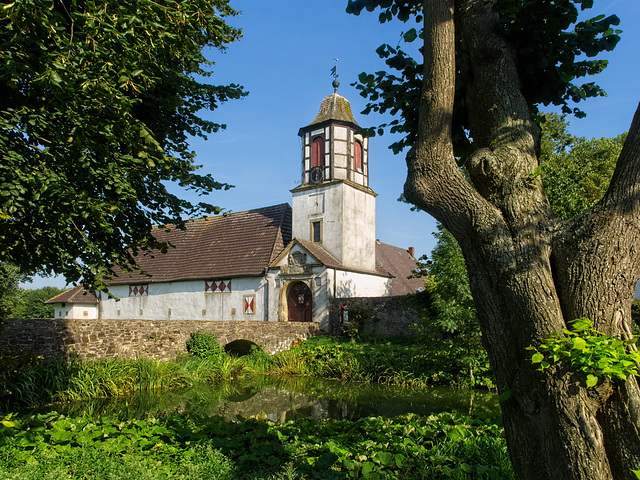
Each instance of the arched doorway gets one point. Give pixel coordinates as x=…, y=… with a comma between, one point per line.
x=299, y=302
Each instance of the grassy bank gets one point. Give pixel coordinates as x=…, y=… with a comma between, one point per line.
x=409, y=447
x=192, y=446
x=34, y=383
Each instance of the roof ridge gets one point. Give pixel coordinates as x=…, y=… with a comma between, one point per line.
x=60, y=294
x=226, y=214
x=314, y=245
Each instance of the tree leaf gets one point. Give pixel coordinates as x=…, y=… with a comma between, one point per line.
x=537, y=357
x=579, y=343
x=592, y=381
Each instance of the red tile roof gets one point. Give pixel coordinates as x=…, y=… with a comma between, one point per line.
x=75, y=295
x=399, y=263
x=236, y=245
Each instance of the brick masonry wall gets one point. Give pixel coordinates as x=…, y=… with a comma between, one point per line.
x=387, y=316
x=161, y=339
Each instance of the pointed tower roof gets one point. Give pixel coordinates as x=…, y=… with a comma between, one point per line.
x=334, y=107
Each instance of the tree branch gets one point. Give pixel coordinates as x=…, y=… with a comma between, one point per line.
x=623, y=194
x=434, y=181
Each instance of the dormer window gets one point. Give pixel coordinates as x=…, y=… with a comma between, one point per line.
x=317, y=152
x=357, y=156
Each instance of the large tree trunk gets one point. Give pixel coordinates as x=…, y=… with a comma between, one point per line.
x=530, y=274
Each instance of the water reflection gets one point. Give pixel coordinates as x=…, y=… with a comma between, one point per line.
x=286, y=398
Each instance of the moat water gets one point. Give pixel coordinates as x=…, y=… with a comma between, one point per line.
x=286, y=398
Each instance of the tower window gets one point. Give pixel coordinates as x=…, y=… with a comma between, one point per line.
x=317, y=152
x=357, y=156
x=316, y=231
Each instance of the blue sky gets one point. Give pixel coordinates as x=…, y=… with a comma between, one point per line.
x=284, y=61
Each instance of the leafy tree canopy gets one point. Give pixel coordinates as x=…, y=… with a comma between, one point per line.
x=33, y=305
x=450, y=328
x=10, y=292
x=97, y=102
x=549, y=44
x=575, y=171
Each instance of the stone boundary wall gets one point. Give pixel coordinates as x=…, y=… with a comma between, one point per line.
x=161, y=339
x=387, y=316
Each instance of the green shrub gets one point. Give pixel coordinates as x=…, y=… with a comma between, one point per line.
x=635, y=316
x=588, y=351
x=204, y=345
x=355, y=315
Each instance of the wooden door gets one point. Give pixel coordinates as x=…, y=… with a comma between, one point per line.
x=299, y=303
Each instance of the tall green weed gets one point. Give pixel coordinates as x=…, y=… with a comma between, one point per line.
x=390, y=363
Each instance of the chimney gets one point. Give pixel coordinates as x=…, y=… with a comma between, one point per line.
x=411, y=251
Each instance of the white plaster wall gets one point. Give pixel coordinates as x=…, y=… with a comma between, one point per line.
x=352, y=284
x=272, y=296
x=340, y=173
x=76, y=310
x=319, y=288
x=187, y=301
x=348, y=223
x=359, y=229
x=303, y=214
x=340, y=133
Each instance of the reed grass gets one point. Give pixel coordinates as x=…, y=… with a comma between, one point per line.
x=324, y=357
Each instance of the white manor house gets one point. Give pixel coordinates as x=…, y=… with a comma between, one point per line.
x=277, y=263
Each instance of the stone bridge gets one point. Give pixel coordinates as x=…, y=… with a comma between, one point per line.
x=161, y=339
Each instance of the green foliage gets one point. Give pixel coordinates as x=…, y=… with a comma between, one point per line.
x=204, y=344
x=409, y=447
x=80, y=448
x=449, y=327
x=576, y=171
x=33, y=305
x=39, y=382
x=16, y=302
x=356, y=314
x=635, y=317
x=97, y=102
x=26, y=380
x=547, y=38
x=590, y=352
x=11, y=300
x=379, y=362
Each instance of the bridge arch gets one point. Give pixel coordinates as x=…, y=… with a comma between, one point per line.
x=240, y=347
x=273, y=337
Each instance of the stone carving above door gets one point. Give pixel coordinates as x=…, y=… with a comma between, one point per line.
x=296, y=263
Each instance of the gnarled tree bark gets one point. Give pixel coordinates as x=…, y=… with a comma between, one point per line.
x=530, y=273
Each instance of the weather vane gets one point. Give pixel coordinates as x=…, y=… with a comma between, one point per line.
x=334, y=72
